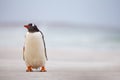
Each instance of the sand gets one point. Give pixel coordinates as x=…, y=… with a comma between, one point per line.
x=62, y=67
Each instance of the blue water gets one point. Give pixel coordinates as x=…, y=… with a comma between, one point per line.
x=64, y=37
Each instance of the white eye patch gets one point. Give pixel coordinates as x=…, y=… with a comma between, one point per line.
x=33, y=24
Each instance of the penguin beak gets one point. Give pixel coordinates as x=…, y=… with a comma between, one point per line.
x=26, y=26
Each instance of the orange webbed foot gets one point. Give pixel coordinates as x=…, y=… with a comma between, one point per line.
x=43, y=69
x=29, y=69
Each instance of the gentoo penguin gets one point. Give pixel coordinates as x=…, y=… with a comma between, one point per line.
x=34, y=50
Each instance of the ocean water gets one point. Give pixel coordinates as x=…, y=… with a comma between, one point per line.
x=65, y=37
x=83, y=38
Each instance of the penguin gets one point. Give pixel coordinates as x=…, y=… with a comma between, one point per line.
x=34, y=49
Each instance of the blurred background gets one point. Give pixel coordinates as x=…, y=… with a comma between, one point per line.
x=75, y=30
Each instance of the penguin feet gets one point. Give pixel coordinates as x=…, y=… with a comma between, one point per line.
x=43, y=69
x=29, y=69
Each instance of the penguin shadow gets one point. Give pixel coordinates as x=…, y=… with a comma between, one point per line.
x=36, y=70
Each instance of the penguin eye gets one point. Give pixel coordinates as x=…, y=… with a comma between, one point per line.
x=30, y=24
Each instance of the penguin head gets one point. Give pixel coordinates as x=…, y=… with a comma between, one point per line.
x=31, y=28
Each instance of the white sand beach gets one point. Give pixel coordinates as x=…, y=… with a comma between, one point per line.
x=13, y=68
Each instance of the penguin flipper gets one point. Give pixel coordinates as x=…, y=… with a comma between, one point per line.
x=44, y=45
x=23, y=53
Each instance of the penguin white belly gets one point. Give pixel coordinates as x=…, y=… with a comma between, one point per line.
x=34, y=50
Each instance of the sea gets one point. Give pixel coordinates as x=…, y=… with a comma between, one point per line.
x=65, y=37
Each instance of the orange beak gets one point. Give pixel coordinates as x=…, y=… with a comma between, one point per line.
x=26, y=26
